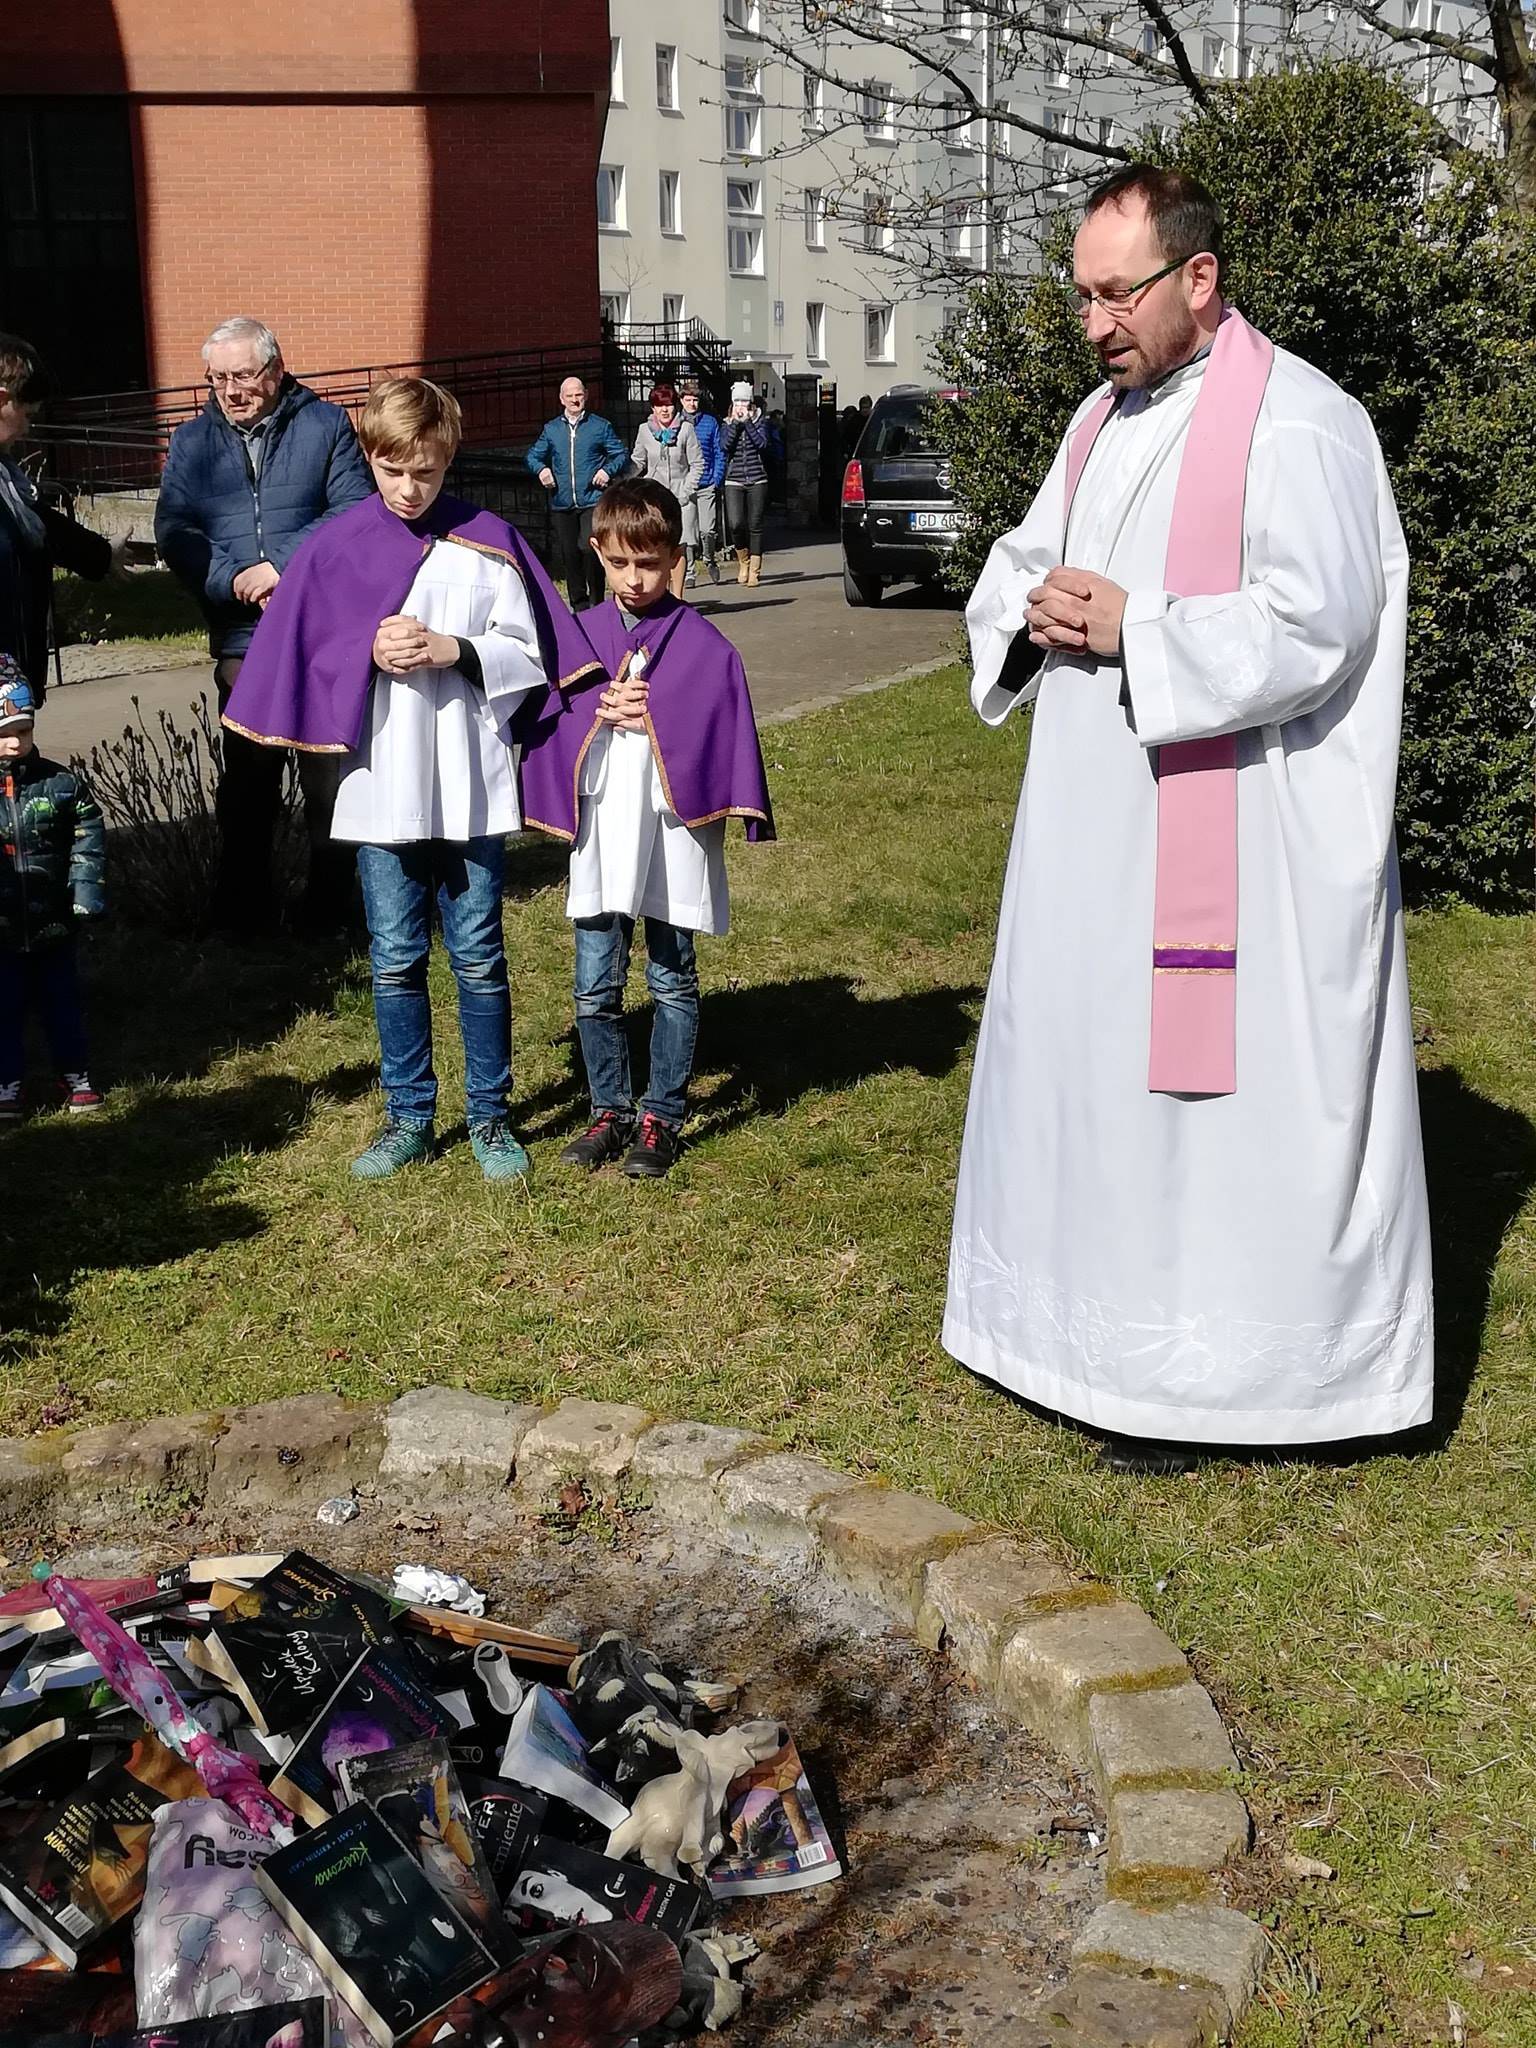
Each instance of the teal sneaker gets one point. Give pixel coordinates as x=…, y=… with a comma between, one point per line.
x=500, y=1155
x=396, y=1145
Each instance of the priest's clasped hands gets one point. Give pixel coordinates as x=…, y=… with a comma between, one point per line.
x=1075, y=612
x=403, y=644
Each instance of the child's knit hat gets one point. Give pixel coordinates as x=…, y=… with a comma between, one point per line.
x=740, y=393
x=18, y=706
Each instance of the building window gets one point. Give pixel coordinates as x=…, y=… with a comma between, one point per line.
x=1055, y=57
x=1151, y=43
x=1213, y=57
x=876, y=112
x=879, y=334
x=616, y=70
x=815, y=116
x=1002, y=129
x=1054, y=154
x=610, y=197
x=673, y=317
x=815, y=331
x=879, y=235
x=743, y=107
x=614, y=309
x=959, y=126
x=666, y=78
x=962, y=228
x=815, y=217
x=1107, y=130
x=743, y=16
x=959, y=21
x=744, y=226
x=671, y=202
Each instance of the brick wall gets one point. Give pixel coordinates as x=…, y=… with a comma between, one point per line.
x=366, y=233
x=432, y=192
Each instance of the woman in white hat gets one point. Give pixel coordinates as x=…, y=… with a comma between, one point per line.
x=744, y=442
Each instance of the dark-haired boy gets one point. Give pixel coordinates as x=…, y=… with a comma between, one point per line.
x=639, y=771
x=52, y=872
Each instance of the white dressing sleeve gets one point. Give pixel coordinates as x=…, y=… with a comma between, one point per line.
x=996, y=612
x=510, y=662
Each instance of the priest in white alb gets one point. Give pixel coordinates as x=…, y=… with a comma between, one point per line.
x=1191, y=1206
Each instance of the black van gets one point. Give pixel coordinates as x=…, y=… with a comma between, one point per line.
x=898, y=512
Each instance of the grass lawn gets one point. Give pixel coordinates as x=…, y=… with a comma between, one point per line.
x=1367, y=1628
x=145, y=606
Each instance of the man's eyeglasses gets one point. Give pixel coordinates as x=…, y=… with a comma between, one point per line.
x=1116, y=303
x=238, y=380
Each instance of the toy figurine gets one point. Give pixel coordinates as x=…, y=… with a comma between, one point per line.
x=676, y=1819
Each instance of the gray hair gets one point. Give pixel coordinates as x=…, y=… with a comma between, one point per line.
x=243, y=328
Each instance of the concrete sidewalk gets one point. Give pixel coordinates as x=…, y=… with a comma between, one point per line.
x=802, y=644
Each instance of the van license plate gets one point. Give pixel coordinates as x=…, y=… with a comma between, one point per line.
x=932, y=522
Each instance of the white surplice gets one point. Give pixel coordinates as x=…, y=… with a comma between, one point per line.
x=435, y=761
x=633, y=854
x=1252, y=1268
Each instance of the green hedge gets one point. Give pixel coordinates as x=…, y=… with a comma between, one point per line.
x=1426, y=312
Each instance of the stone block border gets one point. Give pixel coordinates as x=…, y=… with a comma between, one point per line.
x=1164, y=1960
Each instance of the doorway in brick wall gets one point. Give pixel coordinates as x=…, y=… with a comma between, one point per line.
x=69, y=243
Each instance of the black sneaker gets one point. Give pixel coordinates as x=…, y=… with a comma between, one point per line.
x=1146, y=1457
x=655, y=1149
x=605, y=1138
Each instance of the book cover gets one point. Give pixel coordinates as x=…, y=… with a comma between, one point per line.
x=416, y=1792
x=560, y=1883
x=547, y=1750
x=31, y=1607
x=776, y=1840
x=281, y=1666
x=78, y=1867
x=366, y=1911
x=505, y=1819
x=378, y=1705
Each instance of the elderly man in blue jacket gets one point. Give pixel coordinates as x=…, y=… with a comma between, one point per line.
x=575, y=458
x=245, y=485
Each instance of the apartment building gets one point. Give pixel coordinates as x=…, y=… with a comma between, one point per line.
x=739, y=189
x=715, y=202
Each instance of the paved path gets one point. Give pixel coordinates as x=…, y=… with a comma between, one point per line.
x=802, y=644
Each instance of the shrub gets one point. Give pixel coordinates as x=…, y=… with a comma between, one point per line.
x=156, y=791
x=1423, y=310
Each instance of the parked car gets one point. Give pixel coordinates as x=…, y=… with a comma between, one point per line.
x=898, y=510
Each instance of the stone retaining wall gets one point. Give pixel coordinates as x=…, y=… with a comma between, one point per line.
x=1165, y=1963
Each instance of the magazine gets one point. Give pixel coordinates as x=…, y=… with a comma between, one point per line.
x=776, y=1840
x=547, y=1750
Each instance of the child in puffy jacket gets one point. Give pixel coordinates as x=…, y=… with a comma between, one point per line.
x=52, y=871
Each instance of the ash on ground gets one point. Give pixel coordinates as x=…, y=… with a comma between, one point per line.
x=971, y=1855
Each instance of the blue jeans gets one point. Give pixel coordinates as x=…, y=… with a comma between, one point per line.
x=48, y=980
x=602, y=967
x=399, y=884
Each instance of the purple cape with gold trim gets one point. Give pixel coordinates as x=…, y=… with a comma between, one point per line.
x=699, y=717
x=305, y=681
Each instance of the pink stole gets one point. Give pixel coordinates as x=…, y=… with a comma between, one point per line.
x=1194, y=927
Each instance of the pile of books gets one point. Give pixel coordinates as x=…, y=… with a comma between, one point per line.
x=453, y=1787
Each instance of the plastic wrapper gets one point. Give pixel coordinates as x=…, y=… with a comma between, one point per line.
x=206, y=1941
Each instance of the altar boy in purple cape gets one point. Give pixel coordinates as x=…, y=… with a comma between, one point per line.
x=639, y=771
x=403, y=636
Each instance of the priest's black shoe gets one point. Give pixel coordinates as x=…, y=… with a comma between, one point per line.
x=605, y=1138
x=1145, y=1457
x=654, y=1151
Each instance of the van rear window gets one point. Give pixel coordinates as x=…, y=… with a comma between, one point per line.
x=899, y=426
